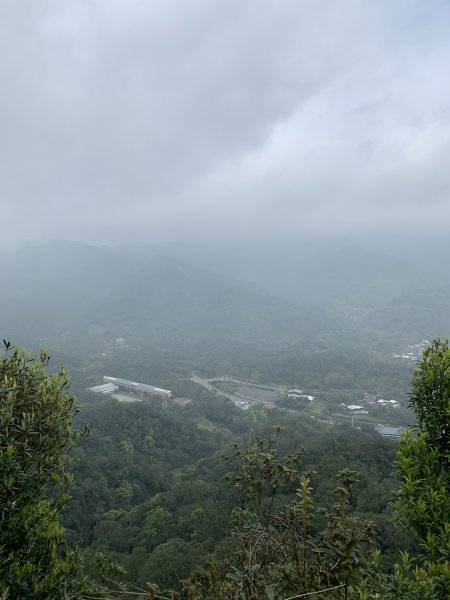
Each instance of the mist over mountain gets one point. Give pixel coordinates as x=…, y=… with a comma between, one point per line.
x=74, y=288
x=239, y=292
x=316, y=267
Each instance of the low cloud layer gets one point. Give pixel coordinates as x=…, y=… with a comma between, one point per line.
x=173, y=120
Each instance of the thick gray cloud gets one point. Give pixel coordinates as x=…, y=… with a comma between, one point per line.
x=165, y=119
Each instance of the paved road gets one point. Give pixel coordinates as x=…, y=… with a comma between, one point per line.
x=205, y=383
x=234, y=398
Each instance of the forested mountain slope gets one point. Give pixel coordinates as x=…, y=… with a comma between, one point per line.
x=150, y=489
x=150, y=291
x=81, y=290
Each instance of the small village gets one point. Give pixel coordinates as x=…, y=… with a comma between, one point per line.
x=369, y=400
x=245, y=394
x=414, y=352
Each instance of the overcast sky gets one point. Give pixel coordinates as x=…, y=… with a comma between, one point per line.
x=158, y=120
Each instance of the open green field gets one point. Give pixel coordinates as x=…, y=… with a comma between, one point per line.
x=123, y=398
x=358, y=418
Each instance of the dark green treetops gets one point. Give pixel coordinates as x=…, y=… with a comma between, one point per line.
x=423, y=463
x=422, y=501
x=35, y=433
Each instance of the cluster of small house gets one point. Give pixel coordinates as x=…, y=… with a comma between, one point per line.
x=413, y=352
x=372, y=400
x=369, y=400
x=298, y=394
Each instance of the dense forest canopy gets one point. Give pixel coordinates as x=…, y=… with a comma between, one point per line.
x=155, y=494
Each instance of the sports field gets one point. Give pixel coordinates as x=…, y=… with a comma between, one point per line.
x=123, y=398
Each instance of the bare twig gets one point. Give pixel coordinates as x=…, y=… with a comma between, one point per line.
x=315, y=593
x=120, y=592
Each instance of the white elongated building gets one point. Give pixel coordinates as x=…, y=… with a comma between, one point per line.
x=142, y=389
x=106, y=389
